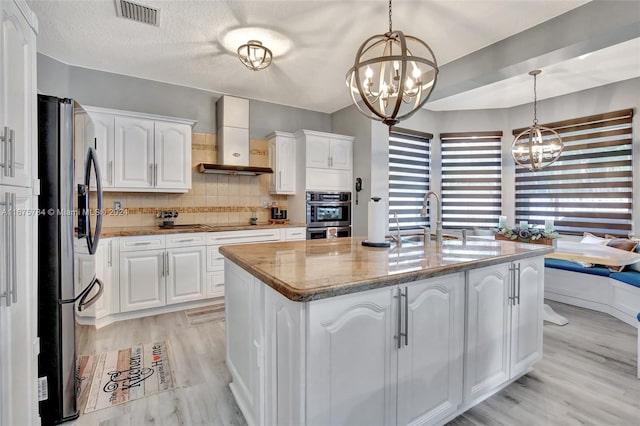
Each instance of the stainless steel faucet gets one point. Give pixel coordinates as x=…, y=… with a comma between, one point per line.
x=423, y=213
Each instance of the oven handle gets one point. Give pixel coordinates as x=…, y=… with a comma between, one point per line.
x=329, y=203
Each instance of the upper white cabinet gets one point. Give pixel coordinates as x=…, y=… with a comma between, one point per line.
x=282, y=159
x=136, y=152
x=17, y=95
x=173, y=155
x=328, y=160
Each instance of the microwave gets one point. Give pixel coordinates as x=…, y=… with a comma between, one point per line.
x=328, y=209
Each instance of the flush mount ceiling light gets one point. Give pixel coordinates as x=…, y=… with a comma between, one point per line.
x=536, y=147
x=393, y=76
x=254, y=55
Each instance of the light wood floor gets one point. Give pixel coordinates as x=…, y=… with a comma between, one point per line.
x=587, y=376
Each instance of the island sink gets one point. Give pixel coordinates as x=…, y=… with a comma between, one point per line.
x=330, y=332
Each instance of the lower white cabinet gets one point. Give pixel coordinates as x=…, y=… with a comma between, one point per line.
x=185, y=276
x=402, y=347
x=142, y=280
x=159, y=277
x=504, y=324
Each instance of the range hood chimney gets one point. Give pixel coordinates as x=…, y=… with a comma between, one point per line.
x=232, y=121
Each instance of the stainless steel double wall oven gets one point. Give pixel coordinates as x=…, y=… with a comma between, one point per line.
x=328, y=215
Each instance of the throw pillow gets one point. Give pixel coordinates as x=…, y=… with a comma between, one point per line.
x=589, y=238
x=621, y=244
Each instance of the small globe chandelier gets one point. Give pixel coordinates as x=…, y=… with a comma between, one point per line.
x=393, y=75
x=254, y=55
x=536, y=147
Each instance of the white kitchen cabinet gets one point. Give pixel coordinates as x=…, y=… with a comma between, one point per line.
x=97, y=130
x=294, y=234
x=173, y=155
x=504, y=324
x=282, y=159
x=328, y=161
x=142, y=279
x=430, y=386
x=328, y=151
x=135, y=165
x=18, y=300
x=186, y=274
x=351, y=353
x=136, y=152
x=526, y=315
x=17, y=95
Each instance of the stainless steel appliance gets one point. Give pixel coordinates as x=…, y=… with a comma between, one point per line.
x=328, y=210
x=328, y=232
x=56, y=294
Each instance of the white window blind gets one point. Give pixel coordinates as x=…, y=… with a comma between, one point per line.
x=408, y=177
x=471, y=179
x=590, y=187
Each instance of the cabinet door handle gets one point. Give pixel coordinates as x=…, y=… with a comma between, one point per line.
x=14, y=242
x=7, y=230
x=155, y=174
x=151, y=174
x=518, y=276
x=12, y=142
x=512, y=291
x=406, y=316
x=279, y=179
x=110, y=172
x=5, y=162
x=185, y=240
x=399, y=320
x=164, y=266
x=167, y=254
x=140, y=243
x=110, y=257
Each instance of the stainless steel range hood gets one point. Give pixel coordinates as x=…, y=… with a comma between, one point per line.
x=233, y=170
x=232, y=121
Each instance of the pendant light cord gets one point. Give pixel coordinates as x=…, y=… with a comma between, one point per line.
x=390, y=30
x=535, y=102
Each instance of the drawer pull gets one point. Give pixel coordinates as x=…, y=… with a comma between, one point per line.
x=141, y=243
x=237, y=237
x=186, y=240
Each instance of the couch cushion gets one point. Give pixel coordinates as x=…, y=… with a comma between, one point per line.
x=568, y=265
x=629, y=277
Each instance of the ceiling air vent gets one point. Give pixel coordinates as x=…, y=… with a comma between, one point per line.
x=138, y=12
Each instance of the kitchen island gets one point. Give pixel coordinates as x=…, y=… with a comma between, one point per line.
x=329, y=332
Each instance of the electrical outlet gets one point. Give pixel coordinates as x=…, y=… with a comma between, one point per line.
x=266, y=204
x=117, y=206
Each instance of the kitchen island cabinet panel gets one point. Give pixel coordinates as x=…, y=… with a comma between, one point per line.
x=352, y=357
x=430, y=366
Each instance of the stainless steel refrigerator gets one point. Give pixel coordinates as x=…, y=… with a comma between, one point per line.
x=57, y=299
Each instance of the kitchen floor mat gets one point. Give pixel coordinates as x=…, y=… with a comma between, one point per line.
x=124, y=375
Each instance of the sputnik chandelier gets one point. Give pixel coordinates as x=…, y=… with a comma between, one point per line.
x=393, y=76
x=536, y=147
x=254, y=55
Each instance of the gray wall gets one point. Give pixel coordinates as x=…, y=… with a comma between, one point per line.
x=108, y=90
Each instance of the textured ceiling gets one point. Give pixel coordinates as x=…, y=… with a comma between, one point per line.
x=320, y=39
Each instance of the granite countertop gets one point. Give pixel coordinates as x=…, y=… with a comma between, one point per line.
x=129, y=231
x=316, y=269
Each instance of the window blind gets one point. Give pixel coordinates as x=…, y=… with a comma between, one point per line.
x=471, y=179
x=589, y=189
x=409, y=174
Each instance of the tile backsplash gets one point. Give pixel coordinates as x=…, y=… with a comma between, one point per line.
x=213, y=199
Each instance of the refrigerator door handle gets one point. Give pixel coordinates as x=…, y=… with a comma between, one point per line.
x=83, y=302
x=14, y=250
x=7, y=230
x=84, y=216
x=5, y=161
